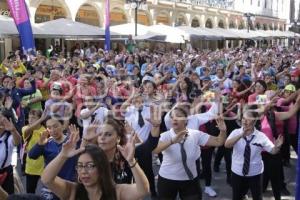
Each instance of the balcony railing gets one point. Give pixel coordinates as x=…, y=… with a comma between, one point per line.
x=225, y=4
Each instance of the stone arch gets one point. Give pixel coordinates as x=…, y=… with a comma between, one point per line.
x=46, y=12
x=258, y=26
x=265, y=27
x=271, y=27
x=232, y=24
x=180, y=20
x=144, y=17
x=241, y=25
x=281, y=28
x=118, y=16
x=195, y=21
x=89, y=14
x=163, y=17
x=209, y=23
x=221, y=24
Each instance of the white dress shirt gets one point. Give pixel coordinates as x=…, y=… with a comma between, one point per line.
x=172, y=167
x=101, y=114
x=10, y=147
x=132, y=118
x=259, y=143
x=195, y=121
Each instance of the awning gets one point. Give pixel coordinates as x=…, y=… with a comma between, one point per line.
x=7, y=27
x=200, y=33
x=129, y=29
x=66, y=28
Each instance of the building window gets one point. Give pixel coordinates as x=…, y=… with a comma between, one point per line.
x=258, y=3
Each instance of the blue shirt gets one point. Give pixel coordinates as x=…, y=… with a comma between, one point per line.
x=49, y=151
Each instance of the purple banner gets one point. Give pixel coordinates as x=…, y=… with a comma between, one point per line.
x=20, y=15
x=107, y=25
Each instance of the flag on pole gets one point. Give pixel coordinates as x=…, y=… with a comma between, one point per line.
x=20, y=15
x=107, y=25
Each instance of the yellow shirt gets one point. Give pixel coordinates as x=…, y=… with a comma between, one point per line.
x=21, y=69
x=34, y=167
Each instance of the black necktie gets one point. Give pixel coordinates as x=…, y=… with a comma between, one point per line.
x=247, y=156
x=93, y=117
x=141, y=120
x=183, y=157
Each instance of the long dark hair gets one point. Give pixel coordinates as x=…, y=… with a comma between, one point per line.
x=105, y=177
x=188, y=90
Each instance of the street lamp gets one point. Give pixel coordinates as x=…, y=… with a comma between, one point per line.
x=296, y=23
x=249, y=17
x=136, y=4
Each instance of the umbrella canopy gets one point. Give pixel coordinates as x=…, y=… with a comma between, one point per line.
x=7, y=27
x=172, y=34
x=200, y=33
x=66, y=28
x=129, y=29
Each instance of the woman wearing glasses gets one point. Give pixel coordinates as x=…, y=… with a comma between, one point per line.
x=94, y=174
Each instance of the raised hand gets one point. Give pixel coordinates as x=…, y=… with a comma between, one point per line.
x=279, y=141
x=179, y=136
x=69, y=148
x=128, y=149
x=44, y=138
x=155, y=118
x=8, y=102
x=91, y=131
x=9, y=125
x=221, y=124
x=73, y=129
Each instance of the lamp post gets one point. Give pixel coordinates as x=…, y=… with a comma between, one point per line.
x=296, y=23
x=136, y=4
x=249, y=17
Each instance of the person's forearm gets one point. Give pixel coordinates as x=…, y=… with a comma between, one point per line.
x=16, y=137
x=286, y=115
x=229, y=143
x=162, y=146
x=275, y=150
x=221, y=138
x=88, y=113
x=52, y=169
x=141, y=181
x=3, y=194
x=31, y=127
x=35, y=100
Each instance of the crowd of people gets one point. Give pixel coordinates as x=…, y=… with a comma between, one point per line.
x=90, y=126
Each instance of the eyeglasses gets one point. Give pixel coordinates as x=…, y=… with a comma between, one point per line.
x=88, y=167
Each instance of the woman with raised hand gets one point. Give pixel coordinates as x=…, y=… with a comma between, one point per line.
x=112, y=133
x=181, y=148
x=247, y=164
x=95, y=180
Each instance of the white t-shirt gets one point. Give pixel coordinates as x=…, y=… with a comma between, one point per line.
x=10, y=146
x=259, y=143
x=172, y=167
x=100, y=114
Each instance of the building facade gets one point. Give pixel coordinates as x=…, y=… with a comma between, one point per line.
x=270, y=14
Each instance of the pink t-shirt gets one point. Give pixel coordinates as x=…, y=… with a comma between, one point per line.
x=267, y=130
x=292, y=122
x=252, y=98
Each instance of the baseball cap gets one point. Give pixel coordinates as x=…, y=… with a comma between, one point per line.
x=290, y=87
